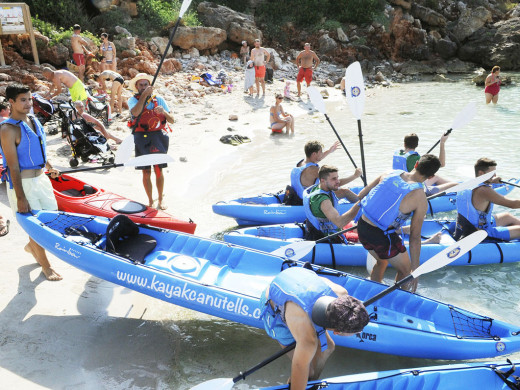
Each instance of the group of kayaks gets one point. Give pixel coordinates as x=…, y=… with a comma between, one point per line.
x=151, y=252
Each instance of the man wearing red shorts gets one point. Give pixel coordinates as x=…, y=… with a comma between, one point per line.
x=307, y=60
x=78, y=54
x=259, y=56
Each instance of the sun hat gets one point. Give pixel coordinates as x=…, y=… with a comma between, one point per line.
x=345, y=314
x=139, y=76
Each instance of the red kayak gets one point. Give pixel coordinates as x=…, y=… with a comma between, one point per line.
x=76, y=196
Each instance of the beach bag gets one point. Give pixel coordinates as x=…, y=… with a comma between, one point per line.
x=291, y=198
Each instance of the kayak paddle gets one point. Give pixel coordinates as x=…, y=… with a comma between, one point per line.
x=297, y=250
x=355, y=94
x=466, y=185
x=319, y=104
x=461, y=120
x=509, y=183
x=441, y=259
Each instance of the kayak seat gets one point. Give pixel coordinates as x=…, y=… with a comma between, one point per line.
x=124, y=239
x=87, y=190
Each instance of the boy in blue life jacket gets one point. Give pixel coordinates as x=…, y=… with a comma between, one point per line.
x=305, y=174
x=406, y=159
x=475, y=208
x=320, y=204
x=386, y=204
x=299, y=306
x=23, y=148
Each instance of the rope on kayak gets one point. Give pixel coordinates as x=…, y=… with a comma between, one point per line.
x=501, y=253
x=466, y=326
x=505, y=376
x=66, y=224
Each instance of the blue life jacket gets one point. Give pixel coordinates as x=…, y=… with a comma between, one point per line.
x=303, y=287
x=480, y=219
x=296, y=175
x=31, y=149
x=381, y=205
x=399, y=160
x=322, y=224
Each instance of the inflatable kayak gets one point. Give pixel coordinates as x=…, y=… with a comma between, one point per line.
x=489, y=376
x=227, y=281
x=269, y=209
x=76, y=196
x=271, y=237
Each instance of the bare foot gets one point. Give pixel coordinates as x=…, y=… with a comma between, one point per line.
x=51, y=275
x=435, y=239
x=161, y=205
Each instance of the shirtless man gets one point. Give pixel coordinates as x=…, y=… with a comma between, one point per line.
x=78, y=53
x=307, y=60
x=260, y=57
x=57, y=77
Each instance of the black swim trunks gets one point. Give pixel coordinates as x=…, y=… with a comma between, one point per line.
x=386, y=246
x=119, y=80
x=150, y=142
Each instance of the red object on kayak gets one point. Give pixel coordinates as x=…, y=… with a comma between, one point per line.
x=351, y=236
x=76, y=196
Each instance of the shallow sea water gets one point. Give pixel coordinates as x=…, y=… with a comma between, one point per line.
x=208, y=348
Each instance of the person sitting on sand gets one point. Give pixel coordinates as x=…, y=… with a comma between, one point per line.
x=298, y=306
x=57, y=77
x=492, y=84
x=115, y=90
x=149, y=116
x=475, y=208
x=95, y=123
x=279, y=118
x=24, y=153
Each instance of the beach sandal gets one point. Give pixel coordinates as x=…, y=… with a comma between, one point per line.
x=229, y=139
x=242, y=139
x=4, y=228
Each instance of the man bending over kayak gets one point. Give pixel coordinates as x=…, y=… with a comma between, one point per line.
x=386, y=204
x=475, y=207
x=320, y=204
x=305, y=174
x=299, y=306
x=23, y=148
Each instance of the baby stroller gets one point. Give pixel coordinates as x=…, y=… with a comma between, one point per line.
x=85, y=142
x=45, y=111
x=98, y=108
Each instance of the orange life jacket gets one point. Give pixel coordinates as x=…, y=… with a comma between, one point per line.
x=149, y=119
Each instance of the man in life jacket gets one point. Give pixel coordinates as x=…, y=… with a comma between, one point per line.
x=386, y=204
x=23, y=148
x=299, y=306
x=320, y=204
x=305, y=174
x=406, y=159
x=475, y=208
x=150, y=113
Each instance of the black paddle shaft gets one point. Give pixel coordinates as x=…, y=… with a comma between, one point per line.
x=342, y=144
x=91, y=168
x=439, y=141
x=336, y=234
x=360, y=132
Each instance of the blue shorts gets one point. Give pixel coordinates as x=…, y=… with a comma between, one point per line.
x=280, y=332
x=499, y=232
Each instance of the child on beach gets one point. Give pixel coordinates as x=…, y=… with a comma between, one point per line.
x=249, y=79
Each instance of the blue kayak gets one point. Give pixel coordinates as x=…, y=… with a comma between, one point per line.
x=227, y=281
x=269, y=209
x=488, y=376
x=271, y=237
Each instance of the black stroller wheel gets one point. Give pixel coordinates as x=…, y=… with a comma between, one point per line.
x=84, y=158
x=73, y=162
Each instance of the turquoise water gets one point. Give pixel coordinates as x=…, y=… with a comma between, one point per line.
x=212, y=348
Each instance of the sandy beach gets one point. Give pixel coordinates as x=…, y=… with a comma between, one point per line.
x=72, y=333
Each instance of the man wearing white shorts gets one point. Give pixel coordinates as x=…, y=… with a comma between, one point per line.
x=23, y=148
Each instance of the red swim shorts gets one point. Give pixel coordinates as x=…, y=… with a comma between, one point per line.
x=260, y=71
x=304, y=73
x=79, y=59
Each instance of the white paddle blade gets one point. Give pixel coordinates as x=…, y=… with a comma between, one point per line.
x=316, y=99
x=371, y=262
x=355, y=89
x=294, y=251
x=465, y=116
x=471, y=183
x=125, y=150
x=149, y=159
x=184, y=7
x=451, y=253
x=215, y=384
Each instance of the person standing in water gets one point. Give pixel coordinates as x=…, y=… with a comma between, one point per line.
x=493, y=85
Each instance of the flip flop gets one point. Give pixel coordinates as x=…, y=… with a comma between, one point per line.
x=5, y=227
